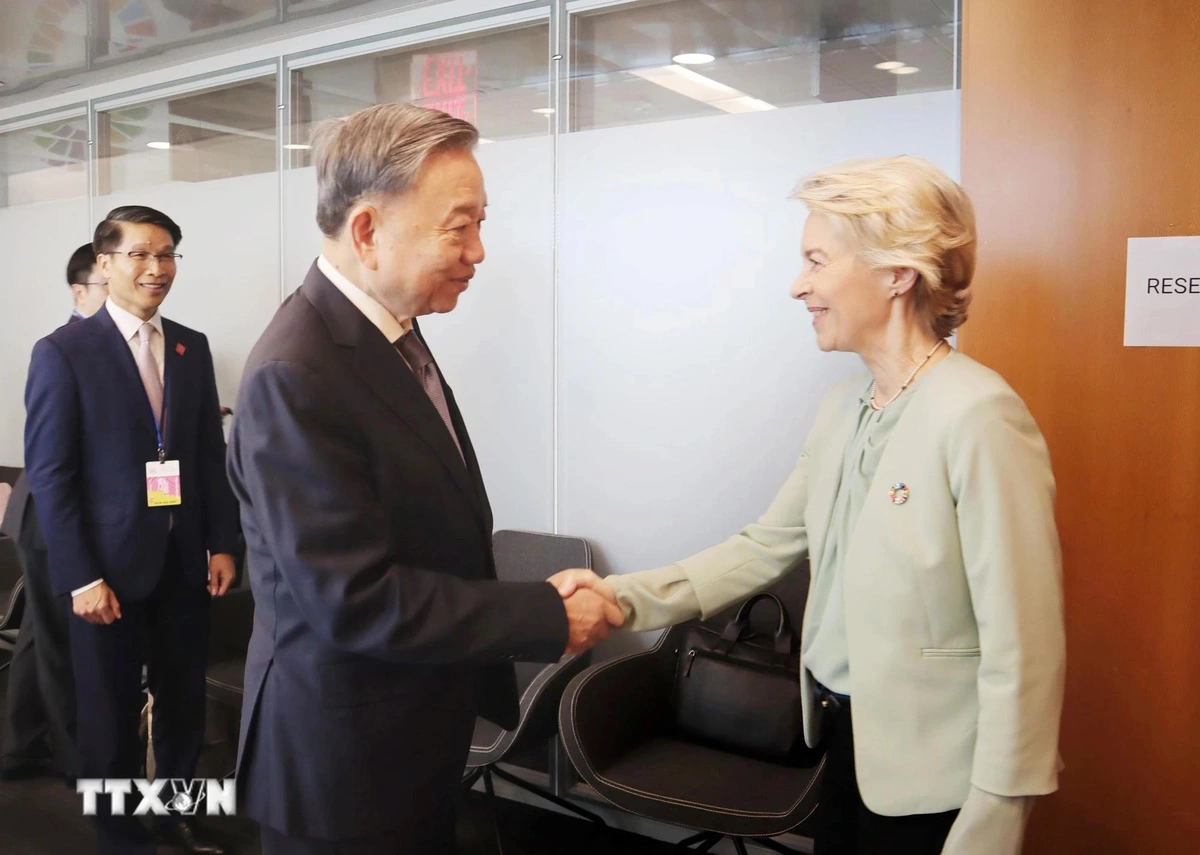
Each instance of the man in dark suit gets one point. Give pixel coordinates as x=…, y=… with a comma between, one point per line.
x=39, y=720
x=114, y=403
x=381, y=631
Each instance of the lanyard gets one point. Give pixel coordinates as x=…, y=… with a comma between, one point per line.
x=158, y=432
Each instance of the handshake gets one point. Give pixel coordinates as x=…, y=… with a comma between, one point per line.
x=591, y=606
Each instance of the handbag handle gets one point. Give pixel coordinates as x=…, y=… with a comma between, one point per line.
x=785, y=636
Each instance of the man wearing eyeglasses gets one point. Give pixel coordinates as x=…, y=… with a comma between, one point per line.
x=125, y=456
x=39, y=717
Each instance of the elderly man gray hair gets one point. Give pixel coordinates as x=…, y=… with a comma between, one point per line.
x=381, y=631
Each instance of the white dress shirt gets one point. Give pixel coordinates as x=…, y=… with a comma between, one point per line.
x=393, y=328
x=128, y=325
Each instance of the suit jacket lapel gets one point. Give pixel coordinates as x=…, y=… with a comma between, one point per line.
x=121, y=358
x=383, y=369
x=174, y=380
x=472, y=462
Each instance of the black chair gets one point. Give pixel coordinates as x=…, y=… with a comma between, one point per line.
x=232, y=621
x=523, y=556
x=12, y=585
x=12, y=596
x=617, y=726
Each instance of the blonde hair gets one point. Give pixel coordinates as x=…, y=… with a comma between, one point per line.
x=904, y=212
x=378, y=151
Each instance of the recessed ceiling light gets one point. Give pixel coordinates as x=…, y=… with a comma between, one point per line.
x=297, y=147
x=692, y=58
x=545, y=111
x=484, y=141
x=159, y=144
x=889, y=65
x=906, y=69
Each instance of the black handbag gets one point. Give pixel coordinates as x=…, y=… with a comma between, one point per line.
x=739, y=690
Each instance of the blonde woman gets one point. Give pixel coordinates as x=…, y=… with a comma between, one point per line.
x=933, y=646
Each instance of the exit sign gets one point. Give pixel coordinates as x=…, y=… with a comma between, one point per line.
x=447, y=82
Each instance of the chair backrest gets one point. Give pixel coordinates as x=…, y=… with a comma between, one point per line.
x=10, y=564
x=532, y=556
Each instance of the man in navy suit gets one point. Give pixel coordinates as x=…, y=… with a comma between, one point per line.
x=113, y=402
x=39, y=717
x=381, y=630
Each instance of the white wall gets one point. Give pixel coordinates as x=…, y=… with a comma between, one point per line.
x=497, y=348
x=689, y=377
x=36, y=241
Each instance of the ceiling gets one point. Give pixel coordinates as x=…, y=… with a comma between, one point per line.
x=43, y=40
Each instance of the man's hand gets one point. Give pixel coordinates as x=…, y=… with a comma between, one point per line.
x=589, y=617
x=97, y=605
x=220, y=574
x=569, y=581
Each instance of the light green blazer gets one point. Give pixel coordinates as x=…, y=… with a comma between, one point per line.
x=954, y=613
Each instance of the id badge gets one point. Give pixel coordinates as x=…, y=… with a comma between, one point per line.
x=162, y=484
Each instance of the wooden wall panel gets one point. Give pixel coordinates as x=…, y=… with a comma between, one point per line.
x=1081, y=128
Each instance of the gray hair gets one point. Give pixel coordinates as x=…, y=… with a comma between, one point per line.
x=378, y=151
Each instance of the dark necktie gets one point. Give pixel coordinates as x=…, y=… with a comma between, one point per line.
x=421, y=364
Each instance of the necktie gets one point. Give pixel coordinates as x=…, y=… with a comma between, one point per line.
x=421, y=364
x=148, y=368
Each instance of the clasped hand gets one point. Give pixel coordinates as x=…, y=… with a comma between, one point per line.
x=592, y=609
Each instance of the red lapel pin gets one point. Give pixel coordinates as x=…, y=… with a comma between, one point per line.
x=180, y=349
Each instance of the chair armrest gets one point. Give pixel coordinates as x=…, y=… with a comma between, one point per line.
x=231, y=622
x=12, y=607
x=612, y=707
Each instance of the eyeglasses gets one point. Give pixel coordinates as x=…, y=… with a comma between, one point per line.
x=141, y=257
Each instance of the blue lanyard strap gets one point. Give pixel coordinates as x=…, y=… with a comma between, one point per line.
x=162, y=447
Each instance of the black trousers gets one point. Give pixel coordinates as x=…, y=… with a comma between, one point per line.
x=168, y=633
x=39, y=718
x=845, y=826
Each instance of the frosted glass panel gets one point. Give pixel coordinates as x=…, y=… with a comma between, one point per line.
x=227, y=285
x=205, y=136
x=499, y=81
x=301, y=237
x=689, y=377
x=44, y=163
x=676, y=59
x=496, y=349
x=34, y=299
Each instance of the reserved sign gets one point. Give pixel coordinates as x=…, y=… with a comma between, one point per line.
x=1162, y=292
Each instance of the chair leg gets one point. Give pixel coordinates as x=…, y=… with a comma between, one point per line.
x=701, y=842
x=472, y=777
x=488, y=787
x=550, y=797
x=740, y=846
x=776, y=846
